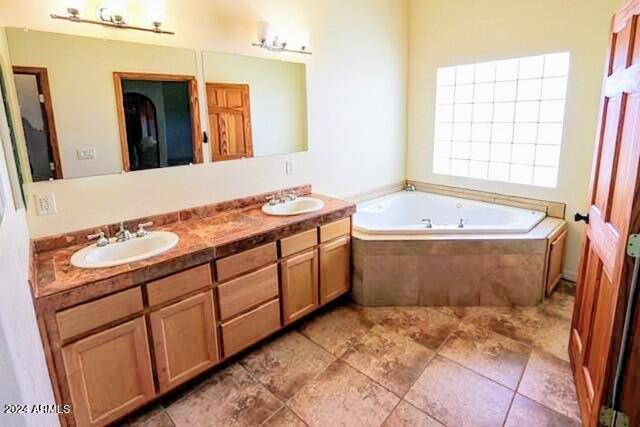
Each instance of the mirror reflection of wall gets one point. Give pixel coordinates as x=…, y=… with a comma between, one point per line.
x=256, y=107
x=79, y=72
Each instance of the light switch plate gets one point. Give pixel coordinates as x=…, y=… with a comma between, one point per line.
x=288, y=167
x=45, y=204
x=86, y=153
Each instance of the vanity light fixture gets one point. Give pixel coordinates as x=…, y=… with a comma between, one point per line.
x=109, y=18
x=274, y=42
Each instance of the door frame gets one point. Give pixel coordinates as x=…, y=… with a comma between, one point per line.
x=42, y=79
x=194, y=108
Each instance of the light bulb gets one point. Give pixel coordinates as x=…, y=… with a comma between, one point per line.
x=264, y=31
x=156, y=10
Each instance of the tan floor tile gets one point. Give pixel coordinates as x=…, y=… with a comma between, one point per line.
x=526, y=412
x=530, y=325
x=287, y=363
x=342, y=395
x=389, y=358
x=151, y=417
x=492, y=355
x=284, y=418
x=548, y=380
x=457, y=396
x=427, y=326
x=406, y=415
x=337, y=330
x=559, y=304
x=229, y=397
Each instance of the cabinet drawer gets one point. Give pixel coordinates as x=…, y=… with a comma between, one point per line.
x=247, y=291
x=249, y=328
x=86, y=317
x=246, y=261
x=335, y=229
x=298, y=242
x=176, y=285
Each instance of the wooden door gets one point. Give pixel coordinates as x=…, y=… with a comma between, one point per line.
x=229, y=121
x=614, y=212
x=109, y=373
x=300, y=293
x=184, y=339
x=334, y=269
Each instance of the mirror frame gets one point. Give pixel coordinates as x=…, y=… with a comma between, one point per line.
x=196, y=131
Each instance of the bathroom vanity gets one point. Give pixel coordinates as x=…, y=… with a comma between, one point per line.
x=116, y=338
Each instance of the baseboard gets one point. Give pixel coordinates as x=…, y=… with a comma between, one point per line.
x=570, y=275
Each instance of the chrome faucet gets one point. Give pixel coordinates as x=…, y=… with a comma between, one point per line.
x=101, y=240
x=291, y=197
x=123, y=234
x=427, y=222
x=461, y=223
x=409, y=187
x=141, y=229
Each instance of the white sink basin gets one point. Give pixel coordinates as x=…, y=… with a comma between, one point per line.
x=294, y=207
x=118, y=253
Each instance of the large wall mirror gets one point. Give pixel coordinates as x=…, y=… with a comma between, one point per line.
x=91, y=106
x=256, y=107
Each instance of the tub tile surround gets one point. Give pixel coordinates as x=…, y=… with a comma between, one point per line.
x=449, y=272
x=473, y=374
x=552, y=209
x=234, y=226
x=476, y=269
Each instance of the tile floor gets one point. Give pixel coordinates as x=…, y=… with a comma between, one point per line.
x=394, y=366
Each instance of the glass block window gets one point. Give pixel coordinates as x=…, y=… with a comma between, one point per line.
x=502, y=120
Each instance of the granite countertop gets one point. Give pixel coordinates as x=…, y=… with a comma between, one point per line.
x=55, y=282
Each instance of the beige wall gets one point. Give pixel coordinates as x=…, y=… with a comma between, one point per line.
x=24, y=378
x=356, y=95
x=444, y=32
x=80, y=71
x=278, y=98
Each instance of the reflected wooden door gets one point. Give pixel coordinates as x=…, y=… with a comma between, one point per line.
x=229, y=121
x=613, y=213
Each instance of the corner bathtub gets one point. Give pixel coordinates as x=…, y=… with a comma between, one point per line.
x=414, y=212
x=497, y=256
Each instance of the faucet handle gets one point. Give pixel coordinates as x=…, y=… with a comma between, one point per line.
x=101, y=239
x=291, y=196
x=272, y=199
x=141, y=229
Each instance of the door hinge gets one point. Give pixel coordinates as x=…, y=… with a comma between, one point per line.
x=633, y=245
x=609, y=417
x=41, y=98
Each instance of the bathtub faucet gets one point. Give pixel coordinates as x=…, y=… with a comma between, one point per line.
x=461, y=223
x=409, y=187
x=427, y=222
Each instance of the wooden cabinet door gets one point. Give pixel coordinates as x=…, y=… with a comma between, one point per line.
x=299, y=285
x=109, y=373
x=614, y=212
x=184, y=339
x=229, y=121
x=335, y=269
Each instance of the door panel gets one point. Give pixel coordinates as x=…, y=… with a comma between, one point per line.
x=300, y=293
x=229, y=121
x=109, y=373
x=614, y=182
x=185, y=340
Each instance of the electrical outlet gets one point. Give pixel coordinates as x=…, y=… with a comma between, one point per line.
x=45, y=204
x=288, y=167
x=86, y=153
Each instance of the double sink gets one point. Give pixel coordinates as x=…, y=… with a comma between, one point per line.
x=112, y=253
